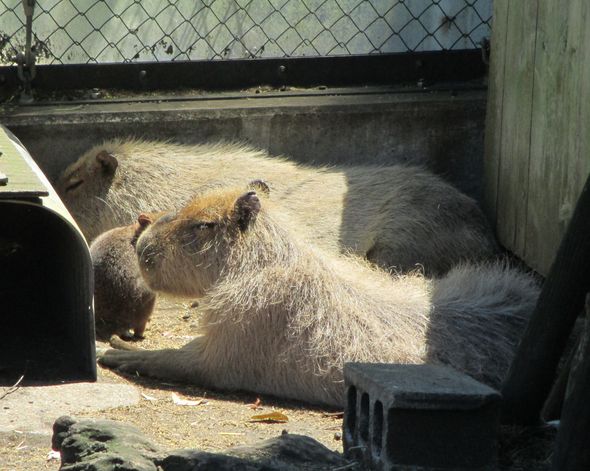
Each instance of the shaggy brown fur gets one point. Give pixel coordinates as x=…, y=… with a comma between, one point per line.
x=396, y=216
x=281, y=316
x=122, y=300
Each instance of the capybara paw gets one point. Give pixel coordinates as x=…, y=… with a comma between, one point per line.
x=136, y=362
x=126, y=335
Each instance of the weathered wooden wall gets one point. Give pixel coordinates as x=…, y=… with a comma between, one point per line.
x=537, y=149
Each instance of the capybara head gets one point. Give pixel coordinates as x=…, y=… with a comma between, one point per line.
x=184, y=253
x=84, y=185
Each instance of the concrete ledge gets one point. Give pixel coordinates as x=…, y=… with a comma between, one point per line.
x=441, y=130
x=33, y=409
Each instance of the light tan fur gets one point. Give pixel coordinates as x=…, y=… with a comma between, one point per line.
x=397, y=216
x=281, y=316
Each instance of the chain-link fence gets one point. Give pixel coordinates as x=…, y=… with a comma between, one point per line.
x=89, y=31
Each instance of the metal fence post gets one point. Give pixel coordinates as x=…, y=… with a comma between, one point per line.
x=26, y=60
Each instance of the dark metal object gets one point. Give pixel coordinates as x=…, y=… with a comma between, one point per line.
x=572, y=452
x=46, y=285
x=561, y=301
x=378, y=69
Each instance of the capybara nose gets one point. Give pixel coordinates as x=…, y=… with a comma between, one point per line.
x=145, y=254
x=147, y=260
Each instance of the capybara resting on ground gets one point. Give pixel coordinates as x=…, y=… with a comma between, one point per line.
x=280, y=316
x=396, y=216
x=122, y=300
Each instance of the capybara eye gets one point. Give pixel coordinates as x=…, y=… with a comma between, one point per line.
x=205, y=225
x=73, y=186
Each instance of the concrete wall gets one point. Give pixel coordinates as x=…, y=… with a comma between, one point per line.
x=439, y=130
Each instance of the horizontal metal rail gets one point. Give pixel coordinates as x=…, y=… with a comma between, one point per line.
x=378, y=69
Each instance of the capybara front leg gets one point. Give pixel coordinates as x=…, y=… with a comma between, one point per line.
x=170, y=364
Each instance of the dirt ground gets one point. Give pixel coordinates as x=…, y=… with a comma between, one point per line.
x=220, y=420
x=217, y=421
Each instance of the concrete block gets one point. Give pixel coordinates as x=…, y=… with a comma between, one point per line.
x=419, y=417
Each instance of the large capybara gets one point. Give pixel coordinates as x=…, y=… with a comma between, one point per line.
x=280, y=316
x=122, y=300
x=397, y=216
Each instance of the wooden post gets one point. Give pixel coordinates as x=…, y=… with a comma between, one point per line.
x=572, y=451
x=560, y=302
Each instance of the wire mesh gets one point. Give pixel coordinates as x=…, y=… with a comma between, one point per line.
x=90, y=31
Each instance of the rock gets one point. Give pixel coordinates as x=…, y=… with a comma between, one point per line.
x=104, y=445
x=285, y=453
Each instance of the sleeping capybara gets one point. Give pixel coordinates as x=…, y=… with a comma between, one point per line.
x=397, y=216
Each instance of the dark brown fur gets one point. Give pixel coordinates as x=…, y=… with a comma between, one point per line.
x=122, y=300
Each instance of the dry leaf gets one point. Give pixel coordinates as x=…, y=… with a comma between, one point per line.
x=53, y=455
x=21, y=445
x=336, y=415
x=148, y=398
x=186, y=402
x=256, y=404
x=271, y=417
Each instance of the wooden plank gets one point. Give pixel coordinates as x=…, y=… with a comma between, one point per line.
x=516, y=125
x=20, y=180
x=577, y=112
x=493, y=132
x=560, y=154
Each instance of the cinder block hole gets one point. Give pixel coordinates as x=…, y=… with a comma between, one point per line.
x=377, y=428
x=441, y=438
x=364, y=418
x=351, y=412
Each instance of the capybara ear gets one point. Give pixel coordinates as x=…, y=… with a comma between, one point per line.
x=108, y=162
x=246, y=209
x=259, y=185
x=144, y=220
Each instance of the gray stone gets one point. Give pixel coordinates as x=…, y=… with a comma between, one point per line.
x=287, y=452
x=419, y=417
x=104, y=445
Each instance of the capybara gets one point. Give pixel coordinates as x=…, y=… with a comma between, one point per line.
x=122, y=300
x=397, y=216
x=281, y=316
